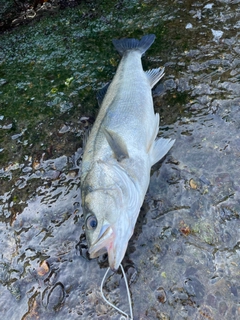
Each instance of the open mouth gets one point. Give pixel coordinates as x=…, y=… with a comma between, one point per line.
x=102, y=243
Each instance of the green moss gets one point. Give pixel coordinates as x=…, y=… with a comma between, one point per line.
x=179, y=97
x=205, y=232
x=38, y=60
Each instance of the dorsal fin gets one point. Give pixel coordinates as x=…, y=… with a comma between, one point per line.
x=101, y=93
x=117, y=145
x=154, y=75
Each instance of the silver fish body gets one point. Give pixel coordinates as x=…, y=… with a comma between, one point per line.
x=119, y=153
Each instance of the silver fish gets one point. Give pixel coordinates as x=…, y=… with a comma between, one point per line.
x=119, y=153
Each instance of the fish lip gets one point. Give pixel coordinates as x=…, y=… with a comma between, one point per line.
x=100, y=245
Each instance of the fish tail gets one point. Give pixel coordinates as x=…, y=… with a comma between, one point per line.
x=126, y=44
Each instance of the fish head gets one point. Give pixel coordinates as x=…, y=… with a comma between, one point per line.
x=107, y=225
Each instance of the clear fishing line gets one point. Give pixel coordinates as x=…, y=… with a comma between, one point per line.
x=128, y=294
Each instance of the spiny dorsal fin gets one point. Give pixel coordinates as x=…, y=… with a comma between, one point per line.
x=101, y=93
x=117, y=145
x=154, y=75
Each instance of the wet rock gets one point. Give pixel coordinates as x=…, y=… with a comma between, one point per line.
x=178, y=295
x=15, y=290
x=82, y=248
x=205, y=312
x=170, y=84
x=233, y=87
x=26, y=169
x=212, y=301
x=190, y=271
x=189, y=26
x=202, y=89
x=161, y=295
x=60, y=163
x=4, y=273
x=217, y=35
x=195, y=67
x=234, y=290
x=228, y=213
x=194, y=288
x=223, y=308
x=183, y=84
x=55, y=297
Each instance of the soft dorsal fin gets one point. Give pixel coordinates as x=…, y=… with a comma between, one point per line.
x=101, y=93
x=154, y=75
x=117, y=145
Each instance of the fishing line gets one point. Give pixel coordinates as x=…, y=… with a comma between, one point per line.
x=128, y=294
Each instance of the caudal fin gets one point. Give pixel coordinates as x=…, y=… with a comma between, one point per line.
x=126, y=44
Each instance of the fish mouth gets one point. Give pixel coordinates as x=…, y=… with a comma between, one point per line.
x=102, y=243
x=106, y=243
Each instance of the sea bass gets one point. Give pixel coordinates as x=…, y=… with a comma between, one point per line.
x=119, y=153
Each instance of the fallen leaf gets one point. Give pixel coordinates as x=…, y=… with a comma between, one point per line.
x=43, y=268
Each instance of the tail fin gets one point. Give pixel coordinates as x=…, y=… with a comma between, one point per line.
x=126, y=44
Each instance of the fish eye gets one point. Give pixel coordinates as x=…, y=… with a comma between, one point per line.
x=91, y=222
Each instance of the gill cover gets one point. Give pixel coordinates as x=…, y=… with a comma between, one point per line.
x=116, y=207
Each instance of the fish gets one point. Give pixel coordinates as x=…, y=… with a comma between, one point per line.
x=120, y=150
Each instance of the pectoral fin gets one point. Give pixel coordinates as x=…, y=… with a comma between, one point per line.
x=117, y=145
x=159, y=149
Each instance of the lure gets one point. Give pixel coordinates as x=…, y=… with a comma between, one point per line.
x=128, y=294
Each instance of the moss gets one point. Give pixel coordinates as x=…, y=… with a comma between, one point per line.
x=38, y=60
x=205, y=232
